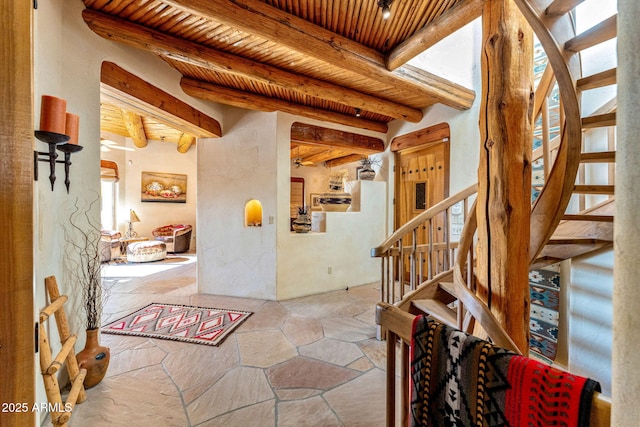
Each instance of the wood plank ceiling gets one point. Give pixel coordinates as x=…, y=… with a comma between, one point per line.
x=334, y=60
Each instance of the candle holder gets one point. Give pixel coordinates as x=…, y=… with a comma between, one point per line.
x=67, y=149
x=59, y=141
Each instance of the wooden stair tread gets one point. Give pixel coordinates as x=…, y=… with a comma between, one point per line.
x=599, y=120
x=448, y=287
x=560, y=7
x=606, y=30
x=604, y=78
x=586, y=217
x=544, y=261
x=598, y=157
x=594, y=189
x=437, y=310
x=570, y=240
x=552, y=254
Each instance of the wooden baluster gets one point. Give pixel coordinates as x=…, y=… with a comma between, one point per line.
x=391, y=378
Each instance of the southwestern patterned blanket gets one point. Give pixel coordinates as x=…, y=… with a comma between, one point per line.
x=460, y=380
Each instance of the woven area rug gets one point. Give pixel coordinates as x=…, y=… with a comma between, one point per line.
x=198, y=325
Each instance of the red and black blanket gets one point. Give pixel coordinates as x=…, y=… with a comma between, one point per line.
x=460, y=380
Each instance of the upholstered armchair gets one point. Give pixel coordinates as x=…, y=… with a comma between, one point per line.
x=177, y=237
x=109, y=245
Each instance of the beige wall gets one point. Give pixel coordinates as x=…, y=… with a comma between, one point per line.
x=67, y=58
x=233, y=259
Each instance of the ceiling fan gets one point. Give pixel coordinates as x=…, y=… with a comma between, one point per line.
x=107, y=145
x=299, y=161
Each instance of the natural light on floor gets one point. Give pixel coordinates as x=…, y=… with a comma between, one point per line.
x=142, y=269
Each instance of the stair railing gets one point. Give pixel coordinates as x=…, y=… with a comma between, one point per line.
x=407, y=262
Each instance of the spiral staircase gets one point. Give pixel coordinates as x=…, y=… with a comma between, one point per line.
x=437, y=277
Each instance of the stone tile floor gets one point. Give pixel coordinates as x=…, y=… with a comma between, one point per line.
x=311, y=361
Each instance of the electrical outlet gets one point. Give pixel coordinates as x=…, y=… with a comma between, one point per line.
x=329, y=271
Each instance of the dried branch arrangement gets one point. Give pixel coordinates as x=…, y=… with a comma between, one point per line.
x=82, y=261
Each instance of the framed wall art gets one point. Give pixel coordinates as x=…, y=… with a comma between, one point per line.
x=163, y=187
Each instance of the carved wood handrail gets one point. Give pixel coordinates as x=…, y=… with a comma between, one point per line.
x=421, y=219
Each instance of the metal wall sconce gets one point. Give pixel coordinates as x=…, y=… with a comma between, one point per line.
x=59, y=141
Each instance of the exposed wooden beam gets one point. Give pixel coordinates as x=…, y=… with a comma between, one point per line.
x=130, y=92
x=444, y=25
x=259, y=18
x=327, y=154
x=432, y=134
x=342, y=160
x=309, y=134
x=133, y=123
x=185, y=142
x=250, y=101
x=447, y=92
x=182, y=50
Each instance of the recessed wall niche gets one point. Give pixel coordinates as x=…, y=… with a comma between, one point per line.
x=253, y=213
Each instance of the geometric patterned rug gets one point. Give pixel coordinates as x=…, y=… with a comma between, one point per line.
x=198, y=325
x=544, y=285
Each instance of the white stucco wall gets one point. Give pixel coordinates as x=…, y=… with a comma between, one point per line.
x=338, y=257
x=304, y=260
x=590, y=317
x=233, y=259
x=67, y=59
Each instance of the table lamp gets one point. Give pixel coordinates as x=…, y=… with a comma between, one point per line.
x=133, y=217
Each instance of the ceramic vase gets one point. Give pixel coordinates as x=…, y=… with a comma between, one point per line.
x=366, y=173
x=336, y=200
x=94, y=358
x=302, y=223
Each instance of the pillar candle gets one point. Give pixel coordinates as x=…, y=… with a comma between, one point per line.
x=71, y=127
x=53, y=114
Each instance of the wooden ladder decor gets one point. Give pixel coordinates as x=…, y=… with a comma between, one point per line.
x=60, y=412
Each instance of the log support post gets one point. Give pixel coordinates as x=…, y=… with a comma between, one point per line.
x=504, y=174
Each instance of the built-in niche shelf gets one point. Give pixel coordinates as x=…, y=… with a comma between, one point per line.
x=253, y=213
x=364, y=194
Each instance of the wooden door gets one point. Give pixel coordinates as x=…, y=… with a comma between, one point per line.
x=422, y=180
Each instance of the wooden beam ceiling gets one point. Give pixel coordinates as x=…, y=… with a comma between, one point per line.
x=182, y=50
x=133, y=123
x=259, y=18
x=130, y=92
x=237, y=98
x=446, y=24
x=302, y=133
